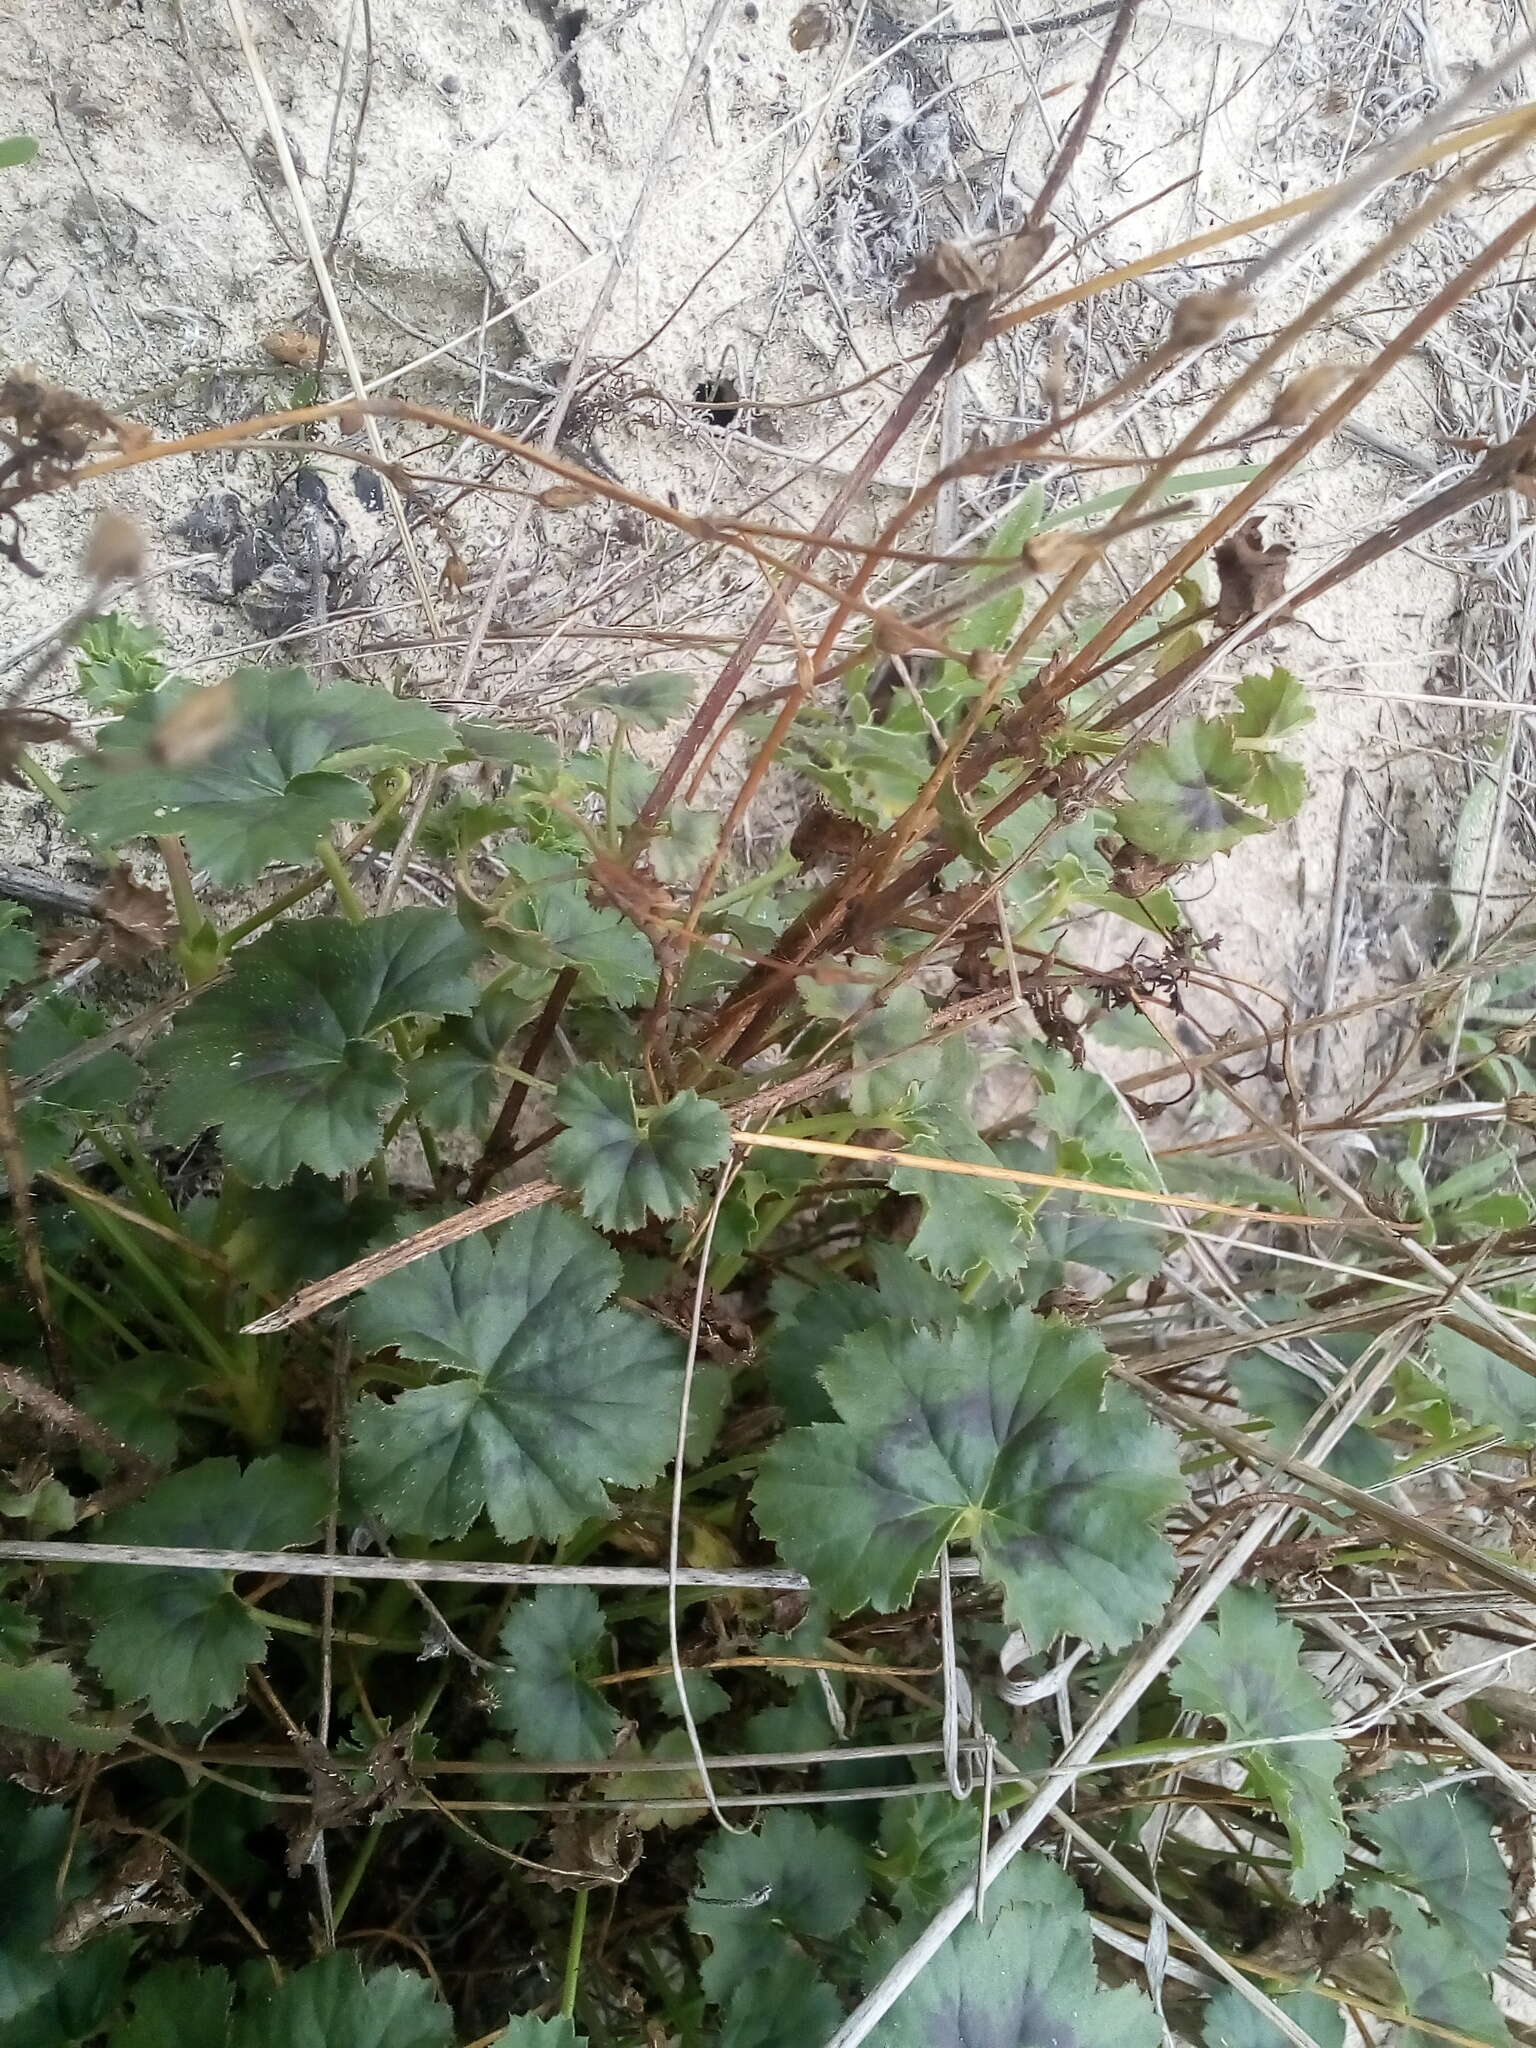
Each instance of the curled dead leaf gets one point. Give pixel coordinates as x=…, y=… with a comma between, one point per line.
x=22, y=727
x=143, y=1889
x=971, y=269
x=455, y=573
x=812, y=28
x=825, y=834
x=587, y=1849
x=292, y=347
x=1250, y=573
x=136, y=920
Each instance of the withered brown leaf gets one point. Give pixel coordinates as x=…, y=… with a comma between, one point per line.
x=142, y=1889
x=1250, y=573
x=812, y=27
x=136, y=920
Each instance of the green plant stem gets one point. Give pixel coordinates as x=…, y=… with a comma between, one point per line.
x=573, y=1955
x=67, y=1290
x=290, y=1624
x=190, y=915
x=247, y=1387
x=785, y=866
x=610, y=822
x=336, y=868
x=42, y=781
x=346, y=1891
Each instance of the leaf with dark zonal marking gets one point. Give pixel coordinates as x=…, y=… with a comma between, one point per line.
x=1000, y=1432
x=282, y=1055
x=547, y=1396
x=1231, y=2022
x=555, y=1643
x=1182, y=797
x=1024, y=1977
x=628, y=1163
x=1245, y=1670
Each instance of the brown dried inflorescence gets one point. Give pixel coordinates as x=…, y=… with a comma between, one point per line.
x=48, y=433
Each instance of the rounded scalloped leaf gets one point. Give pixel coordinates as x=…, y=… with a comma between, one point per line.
x=1001, y=1432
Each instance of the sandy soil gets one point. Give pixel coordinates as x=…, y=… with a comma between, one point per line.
x=745, y=221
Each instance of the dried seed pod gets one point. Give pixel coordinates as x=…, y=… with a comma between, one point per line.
x=1305, y=394
x=564, y=497
x=1205, y=316
x=193, y=728
x=115, y=550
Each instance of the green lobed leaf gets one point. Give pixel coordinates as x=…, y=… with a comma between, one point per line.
x=966, y=1223
x=1439, y=1843
x=706, y=1696
x=1271, y=707
x=549, y=1395
x=1245, y=1670
x=1231, y=2022
x=80, y=2001
x=51, y=1119
x=455, y=1083
x=627, y=1163
x=119, y=660
x=331, y=2003
x=175, y=2003
x=1024, y=1977
x=41, y=1699
x=278, y=779
x=759, y=1896
x=785, y=2007
x=545, y=922
x=531, y=2033
x=650, y=701
x=276, y=1238
x=1000, y=1432
x=1440, y=1982
x=35, y=1838
x=281, y=1054
x=509, y=746
x=1284, y=1397
x=16, y=149
x=556, y=1642
x=926, y=1847
x=182, y=1641
x=1483, y=1387
x=18, y=948
x=1182, y=797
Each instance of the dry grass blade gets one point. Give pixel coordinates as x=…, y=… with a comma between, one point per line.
x=781, y=1141
x=421, y=1244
